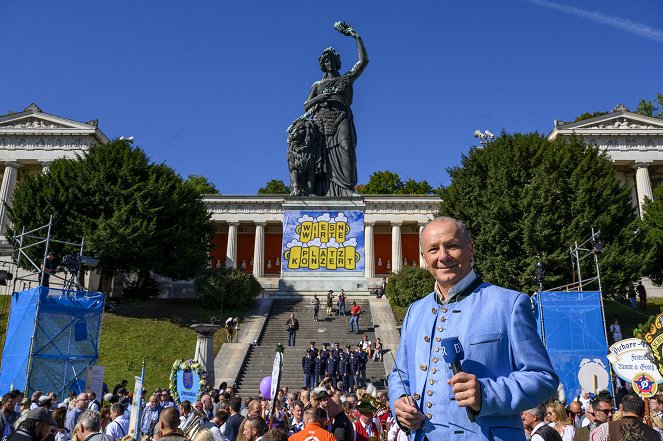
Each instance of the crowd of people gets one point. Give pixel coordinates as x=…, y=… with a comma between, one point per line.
x=345, y=368
x=595, y=419
x=325, y=412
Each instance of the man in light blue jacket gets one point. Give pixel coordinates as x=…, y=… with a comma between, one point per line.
x=506, y=368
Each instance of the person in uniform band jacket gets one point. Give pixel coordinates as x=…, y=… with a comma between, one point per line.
x=308, y=366
x=332, y=367
x=320, y=368
x=324, y=352
x=353, y=367
x=343, y=370
x=506, y=368
x=362, y=357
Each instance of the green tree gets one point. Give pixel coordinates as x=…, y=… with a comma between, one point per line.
x=388, y=182
x=135, y=216
x=525, y=198
x=648, y=108
x=383, y=182
x=201, y=185
x=653, y=229
x=588, y=115
x=410, y=284
x=226, y=288
x=275, y=186
x=416, y=187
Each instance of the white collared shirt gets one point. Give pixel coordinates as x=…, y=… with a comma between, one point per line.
x=458, y=287
x=536, y=436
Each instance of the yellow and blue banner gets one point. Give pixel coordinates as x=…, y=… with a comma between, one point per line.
x=322, y=241
x=188, y=384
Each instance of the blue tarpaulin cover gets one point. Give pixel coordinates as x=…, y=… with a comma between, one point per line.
x=65, y=325
x=571, y=326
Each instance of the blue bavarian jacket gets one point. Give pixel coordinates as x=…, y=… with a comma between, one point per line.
x=502, y=348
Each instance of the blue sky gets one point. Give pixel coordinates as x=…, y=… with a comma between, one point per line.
x=210, y=87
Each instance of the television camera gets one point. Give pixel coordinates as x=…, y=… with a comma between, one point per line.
x=72, y=263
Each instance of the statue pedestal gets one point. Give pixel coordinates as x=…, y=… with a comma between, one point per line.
x=205, y=348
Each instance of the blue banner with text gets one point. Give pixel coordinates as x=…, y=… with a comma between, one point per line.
x=316, y=241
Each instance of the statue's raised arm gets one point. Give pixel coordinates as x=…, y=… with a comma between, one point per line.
x=346, y=29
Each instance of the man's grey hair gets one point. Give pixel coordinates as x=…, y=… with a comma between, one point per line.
x=461, y=226
x=91, y=421
x=539, y=412
x=117, y=408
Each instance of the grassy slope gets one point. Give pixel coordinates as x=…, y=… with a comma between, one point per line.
x=157, y=330
x=629, y=318
x=126, y=340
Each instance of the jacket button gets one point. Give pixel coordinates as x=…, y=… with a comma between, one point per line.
x=429, y=416
x=443, y=319
x=427, y=339
x=423, y=367
x=438, y=339
x=429, y=393
x=436, y=349
x=429, y=405
x=435, y=360
x=439, y=328
x=434, y=370
x=417, y=396
x=434, y=310
x=431, y=382
x=443, y=309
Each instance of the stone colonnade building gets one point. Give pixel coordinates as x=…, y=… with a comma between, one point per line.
x=31, y=140
x=634, y=142
x=249, y=233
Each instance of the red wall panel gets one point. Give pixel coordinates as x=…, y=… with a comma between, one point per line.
x=218, y=251
x=410, y=248
x=272, y=251
x=245, y=244
x=382, y=248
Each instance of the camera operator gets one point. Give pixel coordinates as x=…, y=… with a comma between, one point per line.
x=49, y=268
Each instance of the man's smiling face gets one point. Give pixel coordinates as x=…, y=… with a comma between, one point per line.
x=447, y=252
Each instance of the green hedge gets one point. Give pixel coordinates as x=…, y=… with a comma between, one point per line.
x=227, y=288
x=410, y=284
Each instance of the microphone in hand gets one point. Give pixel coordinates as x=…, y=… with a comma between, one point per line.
x=452, y=351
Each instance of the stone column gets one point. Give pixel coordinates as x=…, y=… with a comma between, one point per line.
x=642, y=183
x=231, y=248
x=45, y=166
x=422, y=262
x=7, y=193
x=259, y=251
x=369, y=252
x=205, y=348
x=396, y=247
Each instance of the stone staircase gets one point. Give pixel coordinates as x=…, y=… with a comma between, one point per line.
x=328, y=329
